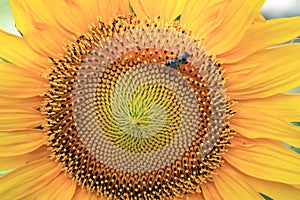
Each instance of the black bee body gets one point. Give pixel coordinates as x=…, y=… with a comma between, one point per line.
x=181, y=60
x=172, y=63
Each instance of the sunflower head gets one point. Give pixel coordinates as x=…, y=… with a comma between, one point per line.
x=128, y=125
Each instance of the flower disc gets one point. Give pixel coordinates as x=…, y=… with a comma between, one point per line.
x=126, y=125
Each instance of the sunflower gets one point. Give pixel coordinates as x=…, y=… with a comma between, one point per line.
x=149, y=100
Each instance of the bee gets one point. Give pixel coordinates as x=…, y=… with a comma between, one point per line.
x=177, y=62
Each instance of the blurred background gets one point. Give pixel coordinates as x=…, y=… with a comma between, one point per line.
x=281, y=8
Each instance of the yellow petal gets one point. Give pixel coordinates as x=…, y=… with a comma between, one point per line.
x=210, y=191
x=27, y=179
x=284, y=106
x=59, y=22
x=28, y=13
x=264, y=159
x=107, y=9
x=12, y=162
x=62, y=187
x=21, y=16
x=296, y=186
x=47, y=42
x=168, y=10
x=15, y=50
x=32, y=195
x=264, y=73
x=40, y=29
x=123, y=7
x=30, y=102
x=202, y=17
x=236, y=19
x=274, y=190
x=145, y=8
x=76, y=15
x=262, y=35
x=13, y=143
x=73, y=15
x=17, y=119
x=259, y=18
x=231, y=186
x=19, y=82
x=261, y=124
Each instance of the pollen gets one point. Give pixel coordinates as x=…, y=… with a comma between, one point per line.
x=123, y=124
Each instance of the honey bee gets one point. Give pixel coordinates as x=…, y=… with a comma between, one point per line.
x=177, y=62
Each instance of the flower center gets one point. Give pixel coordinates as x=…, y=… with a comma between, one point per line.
x=136, y=109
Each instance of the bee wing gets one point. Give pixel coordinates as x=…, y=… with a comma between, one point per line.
x=187, y=54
